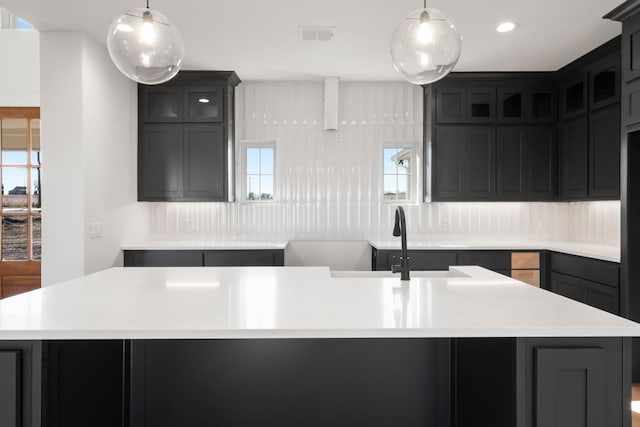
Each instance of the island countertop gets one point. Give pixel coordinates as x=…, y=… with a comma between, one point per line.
x=296, y=302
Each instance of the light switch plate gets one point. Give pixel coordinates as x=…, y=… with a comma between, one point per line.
x=95, y=230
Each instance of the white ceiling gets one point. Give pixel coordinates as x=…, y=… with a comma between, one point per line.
x=259, y=39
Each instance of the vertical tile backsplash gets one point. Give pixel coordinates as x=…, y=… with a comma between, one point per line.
x=328, y=184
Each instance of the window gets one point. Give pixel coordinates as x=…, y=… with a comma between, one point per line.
x=9, y=21
x=20, y=163
x=258, y=171
x=399, y=162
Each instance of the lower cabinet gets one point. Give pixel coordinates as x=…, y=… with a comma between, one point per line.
x=200, y=258
x=590, y=281
x=20, y=383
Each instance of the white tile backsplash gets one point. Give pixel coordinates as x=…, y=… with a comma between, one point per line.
x=328, y=187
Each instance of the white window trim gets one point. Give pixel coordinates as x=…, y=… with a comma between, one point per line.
x=414, y=176
x=242, y=179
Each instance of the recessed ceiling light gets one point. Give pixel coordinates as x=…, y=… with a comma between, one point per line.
x=506, y=26
x=203, y=100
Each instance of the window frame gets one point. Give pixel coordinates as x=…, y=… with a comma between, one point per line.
x=244, y=145
x=412, y=182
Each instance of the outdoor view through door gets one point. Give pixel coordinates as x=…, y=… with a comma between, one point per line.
x=20, y=234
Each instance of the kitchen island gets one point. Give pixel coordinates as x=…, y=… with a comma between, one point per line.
x=305, y=346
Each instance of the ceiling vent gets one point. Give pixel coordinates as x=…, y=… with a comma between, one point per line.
x=324, y=34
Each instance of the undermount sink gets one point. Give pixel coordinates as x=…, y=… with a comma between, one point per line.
x=384, y=274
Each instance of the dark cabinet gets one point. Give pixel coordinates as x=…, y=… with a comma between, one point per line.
x=10, y=397
x=161, y=104
x=575, y=159
x=464, y=163
x=590, y=281
x=203, y=180
x=466, y=105
x=527, y=167
x=574, y=99
x=184, y=134
x=511, y=105
x=493, y=260
x=160, y=162
x=605, y=82
x=206, y=258
x=571, y=387
x=604, y=153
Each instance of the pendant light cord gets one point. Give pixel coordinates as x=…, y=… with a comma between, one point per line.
x=425, y=4
x=148, y=3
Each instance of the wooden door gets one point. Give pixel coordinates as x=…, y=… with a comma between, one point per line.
x=21, y=214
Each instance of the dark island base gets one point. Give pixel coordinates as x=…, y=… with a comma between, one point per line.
x=496, y=382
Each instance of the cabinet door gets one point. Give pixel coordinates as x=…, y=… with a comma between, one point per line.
x=574, y=96
x=448, y=149
x=631, y=49
x=161, y=104
x=242, y=258
x=568, y=286
x=10, y=393
x=450, y=105
x=603, y=297
x=493, y=260
x=162, y=258
x=481, y=105
x=542, y=105
x=511, y=105
x=479, y=167
x=203, y=104
x=575, y=157
x=205, y=162
x=570, y=387
x=512, y=155
x=605, y=82
x=604, y=147
x=160, y=162
x=542, y=155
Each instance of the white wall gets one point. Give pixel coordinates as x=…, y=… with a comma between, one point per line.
x=19, y=68
x=89, y=158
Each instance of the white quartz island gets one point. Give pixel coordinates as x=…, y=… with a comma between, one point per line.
x=304, y=346
x=297, y=302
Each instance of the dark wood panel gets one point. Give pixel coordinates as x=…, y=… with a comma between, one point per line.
x=10, y=389
x=604, y=150
x=205, y=175
x=163, y=258
x=595, y=270
x=570, y=386
x=14, y=285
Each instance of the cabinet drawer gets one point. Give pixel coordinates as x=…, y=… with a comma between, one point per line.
x=244, y=258
x=594, y=294
x=594, y=270
x=161, y=258
x=525, y=260
x=531, y=277
x=493, y=260
x=426, y=260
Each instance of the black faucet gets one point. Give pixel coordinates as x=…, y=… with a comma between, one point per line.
x=400, y=229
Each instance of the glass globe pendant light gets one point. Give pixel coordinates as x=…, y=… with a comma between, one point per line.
x=425, y=46
x=145, y=46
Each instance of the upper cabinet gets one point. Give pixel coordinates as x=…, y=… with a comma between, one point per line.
x=527, y=104
x=574, y=100
x=605, y=82
x=185, y=135
x=466, y=105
